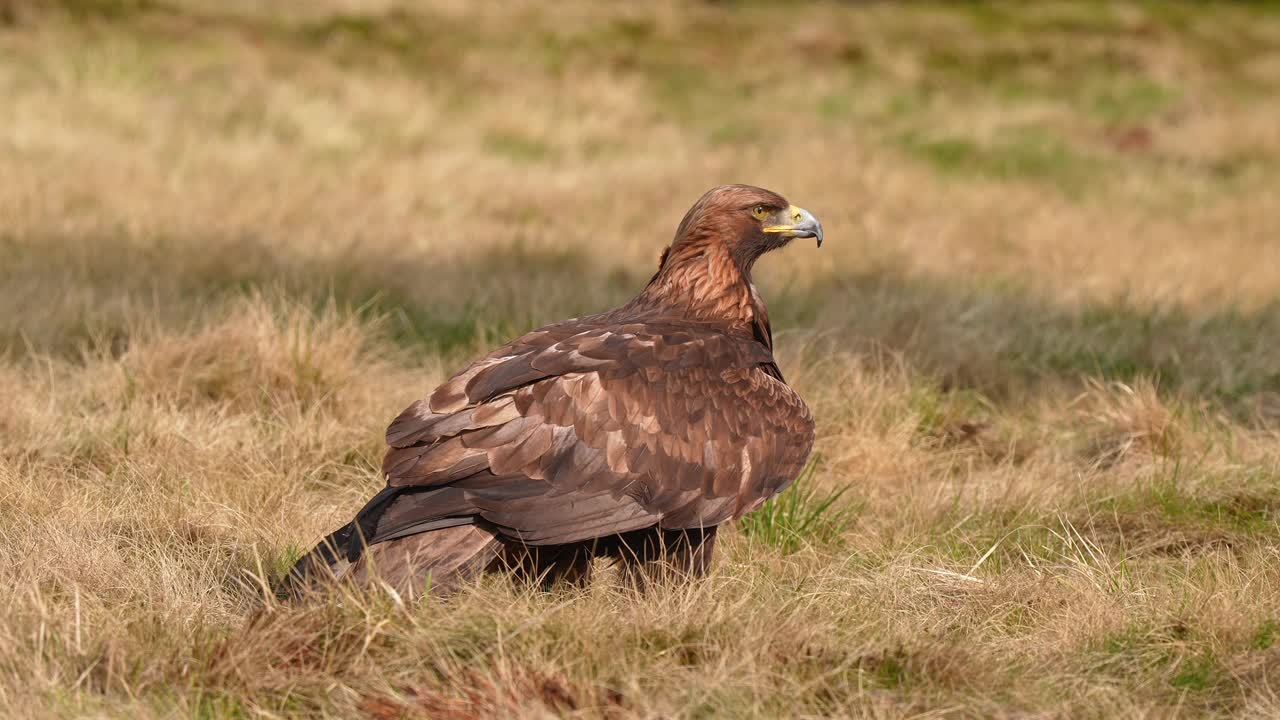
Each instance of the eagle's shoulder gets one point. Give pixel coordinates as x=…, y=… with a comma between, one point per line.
x=607, y=342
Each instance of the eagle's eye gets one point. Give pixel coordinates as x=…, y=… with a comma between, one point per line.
x=760, y=211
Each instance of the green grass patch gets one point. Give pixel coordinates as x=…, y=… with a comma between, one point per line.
x=1266, y=635
x=1018, y=154
x=1176, y=656
x=215, y=705
x=890, y=669
x=736, y=132
x=106, y=9
x=1197, y=673
x=418, y=42
x=1001, y=537
x=1175, y=653
x=278, y=564
x=1180, y=494
x=1203, y=354
x=801, y=516
x=1132, y=100
x=943, y=413
x=517, y=146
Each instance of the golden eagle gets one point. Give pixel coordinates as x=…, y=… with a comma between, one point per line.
x=631, y=434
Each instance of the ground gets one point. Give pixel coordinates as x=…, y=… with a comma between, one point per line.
x=1042, y=342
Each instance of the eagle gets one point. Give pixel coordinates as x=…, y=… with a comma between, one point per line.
x=632, y=434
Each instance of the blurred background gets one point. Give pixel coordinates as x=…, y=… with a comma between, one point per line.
x=1042, y=341
x=1073, y=188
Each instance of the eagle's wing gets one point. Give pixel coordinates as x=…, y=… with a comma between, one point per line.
x=578, y=431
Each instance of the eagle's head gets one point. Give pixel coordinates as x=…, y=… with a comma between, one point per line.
x=748, y=221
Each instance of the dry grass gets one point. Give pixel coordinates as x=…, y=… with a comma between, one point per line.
x=1043, y=346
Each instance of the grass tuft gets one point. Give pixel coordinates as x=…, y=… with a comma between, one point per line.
x=803, y=516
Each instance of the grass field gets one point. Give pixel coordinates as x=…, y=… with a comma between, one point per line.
x=1042, y=343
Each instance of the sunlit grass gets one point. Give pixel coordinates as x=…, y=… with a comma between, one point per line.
x=1042, y=343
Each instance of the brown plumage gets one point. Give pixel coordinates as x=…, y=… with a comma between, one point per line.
x=632, y=434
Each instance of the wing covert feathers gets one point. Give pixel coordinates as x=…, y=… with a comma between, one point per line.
x=574, y=431
x=579, y=431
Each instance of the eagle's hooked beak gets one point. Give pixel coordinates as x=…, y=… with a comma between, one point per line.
x=796, y=222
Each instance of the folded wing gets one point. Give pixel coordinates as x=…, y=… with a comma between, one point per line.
x=579, y=431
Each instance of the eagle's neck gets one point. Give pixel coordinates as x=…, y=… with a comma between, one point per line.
x=704, y=282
